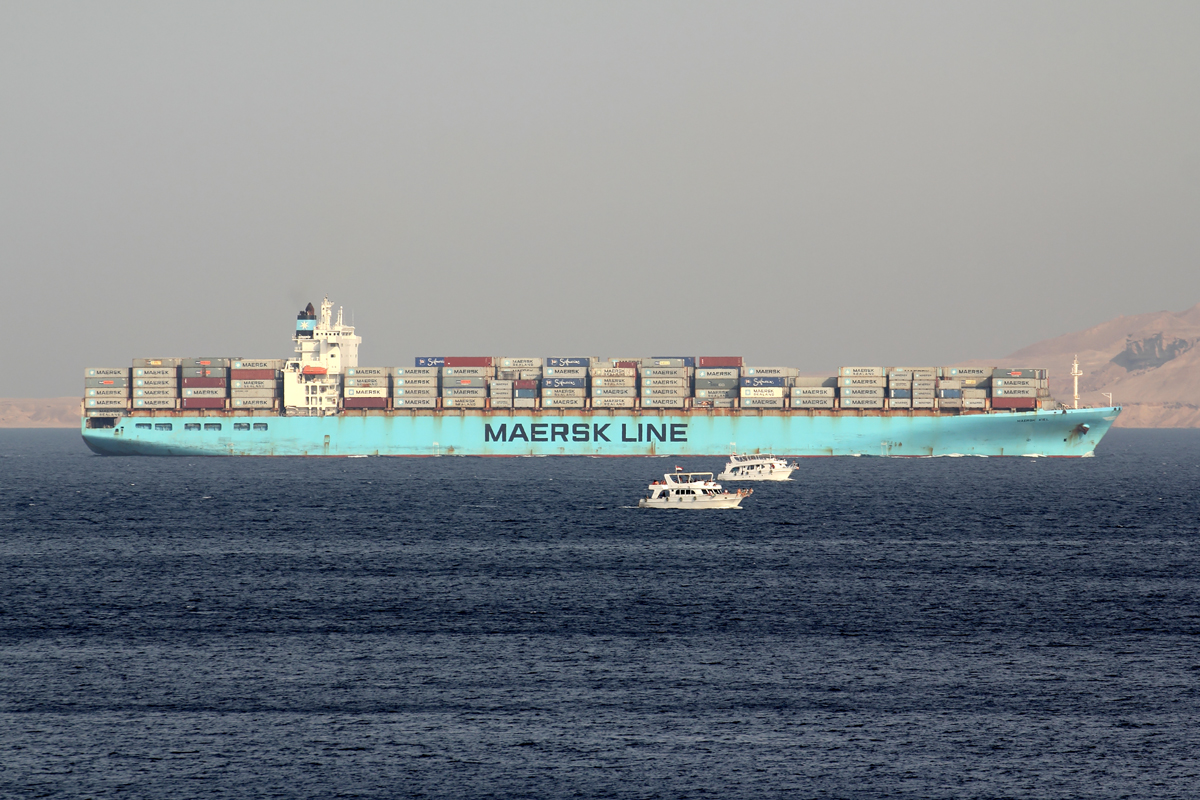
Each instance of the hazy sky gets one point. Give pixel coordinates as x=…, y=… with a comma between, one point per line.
x=809, y=184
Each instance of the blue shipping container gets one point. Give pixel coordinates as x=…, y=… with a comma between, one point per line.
x=949, y=393
x=525, y=393
x=900, y=394
x=564, y=383
x=568, y=362
x=429, y=361
x=753, y=381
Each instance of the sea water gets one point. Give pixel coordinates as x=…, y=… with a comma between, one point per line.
x=473, y=627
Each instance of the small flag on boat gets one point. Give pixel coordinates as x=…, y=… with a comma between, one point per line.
x=678, y=469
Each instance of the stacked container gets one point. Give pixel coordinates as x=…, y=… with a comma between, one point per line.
x=254, y=383
x=717, y=387
x=899, y=391
x=416, y=387
x=106, y=391
x=765, y=387
x=1016, y=388
x=861, y=387
x=465, y=381
x=924, y=387
x=155, y=387
x=666, y=382
x=949, y=393
x=809, y=392
x=367, y=387
x=205, y=383
x=565, y=386
x=614, y=387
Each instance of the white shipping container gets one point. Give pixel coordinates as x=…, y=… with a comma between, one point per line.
x=563, y=393
x=524, y=402
x=414, y=402
x=613, y=372
x=612, y=402
x=900, y=402
x=922, y=402
x=562, y=402
x=974, y=402
x=469, y=372
x=203, y=392
x=662, y=402
x=862, y=402
x=666, y=391
x=252, y=402
x=464, y=402
x=106, y=372
x=762, y=402
x=763, y=391
x=863, y=391
x=154, y=402
x=253, y=393
x=724, y=372
x=679, y=383
x=419, y=391
x=258, y=363
x=502, y=402
x=520, y=363
x=859, y=381
x=115, y=392
x=769, y=372
x=623, y=381
x=861, y=372
x=369, y=372
x=666, y=372
x=155, y=372
x=366, y=391
x=812, y=402
x=565, y=372
x=813, y=391
x=417, y=372
x=106, y=402
x=168, y=392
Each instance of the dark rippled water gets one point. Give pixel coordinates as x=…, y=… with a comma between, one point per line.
x=466, y=627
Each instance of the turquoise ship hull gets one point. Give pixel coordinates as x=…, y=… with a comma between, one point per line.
x=1073, y=432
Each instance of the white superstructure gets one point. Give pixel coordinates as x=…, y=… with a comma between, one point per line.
x=764, y=467
x=324, y=349
x=691, y=490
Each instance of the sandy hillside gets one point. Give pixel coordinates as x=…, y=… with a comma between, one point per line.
x=41, y=412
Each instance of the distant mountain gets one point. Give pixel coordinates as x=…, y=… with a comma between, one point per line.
x=1150, y=363
x=42, y=412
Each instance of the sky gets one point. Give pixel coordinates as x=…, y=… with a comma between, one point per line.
x=803, y=184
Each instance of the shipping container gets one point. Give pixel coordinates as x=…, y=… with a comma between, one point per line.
x=614, y=391
x=368, y=391
x=501, y=402
x=769, y=372
x=429, y=361
x=615, y=382
x=761, y=402
x=529, y=375
x=812, y=402
x=763, y=391
x=666, y=391
x=814, y=381
x=473, y=383
x=947, y=394
x=613, y=372
x=562, y=402
x=580, y=361
x=719, y=362
x=949, y=383
x=563, y=393
x=626, y=364
x=204, y=383
x=813, y=391
x=950, y=402
x=1014, y=383
x=369, y=372
x=417, y=372
x=717, y=383
x=924, y=383
x=365, y=402
x=106, y=372
x=157, y=362
x=258, y=363
x=155, y=372
x=719, y=374
x=676, y=383
x=466, y=361
x=106, y=402
x=116, y=391
x=168, y=392
x=663, y=402
x=859, y=381
x=667, y=362
x=206, y=362
x=464, y=402
x=1014, y=402
x=416, y=383
x=969, y=394
x=525, y=394
x=155, y=402
x=524, y=402
x=420, y=391
x=202, y=402
x=105, y=383
x=203, y=372
x=254, y=385
x=256, y=393
x=1014, y=391
x=257, y=374
x=717, y=394
x=521, y=363
x=762, y=381
x=974, y=402
x=860, y=372
x=525, y=384
x=899, y=394
x=1018, y=373
x=666, y=372
x=564, y=383
x=861, y=391
x=501, y=386
x=414, y=402
x=862, y=402
x=967, y=372
x=900, y=403
x=202, y=392
x=252, y=402
x=467, y=372
x=379, y=381
x=613, y=402
x=464, y=391
x=922, y=402
x=565, y=372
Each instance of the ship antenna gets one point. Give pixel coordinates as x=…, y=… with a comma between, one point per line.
x=1076, y=374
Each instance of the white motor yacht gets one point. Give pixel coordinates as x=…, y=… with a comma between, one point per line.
x=764, y=467
x=691, y=490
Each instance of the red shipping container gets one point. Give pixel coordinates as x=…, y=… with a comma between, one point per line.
x=719, y=361
x=365, y=402
x=204, y=402
x=252, y=374
x=525, y=384
x=1014, y=402
x=626, y=364
x=467, y=361
x=204, y=383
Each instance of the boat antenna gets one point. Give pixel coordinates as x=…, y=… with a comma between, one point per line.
x=1076, y=374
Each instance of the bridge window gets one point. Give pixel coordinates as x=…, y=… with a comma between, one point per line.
x=163, y=426
x=145, y=426
x=191, y=426
x=241, y=426
x=212, y=426
x=260, y=426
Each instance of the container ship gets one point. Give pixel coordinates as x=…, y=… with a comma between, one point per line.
x=320, y=402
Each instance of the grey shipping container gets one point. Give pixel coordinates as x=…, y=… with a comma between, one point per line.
x=106, y=372
x=1018, y=373
x=417, y=372
x=188, y=392
x=464, y=383
x=524, y=402
x=501, y=385
x=116, y=391
x=155, y=372
x=717, y=394
x=900, y=402
x=157, y=362
x=663, y=363
x=949, y=383
x=415, y=391
x=155, y=393
x=762, y=402
x=253, y=384
x=204, y=372
x=151, y=382
x=811, y=380
x=104, y=383
x=612, y=402
x=563, y=372
x=969, y=394
x=922, y=402
x=862, y=402
x=813, y=391
x=950, y=402
x=464, y=391
x=464, y=402
x=563, y=402
x=860, y=372
x=414, y=402
x=861, y=381
x=257, y=393
x=716, y=383
x=205, y=362
x=663, y=402
x=924, y=384
x=614, y=391
x=155, y=402
x=529, y=375
x=258, y=363
x=974, y=402
x=624, y=382
x=502, y=402
x=723, y=373
x=812, y=402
